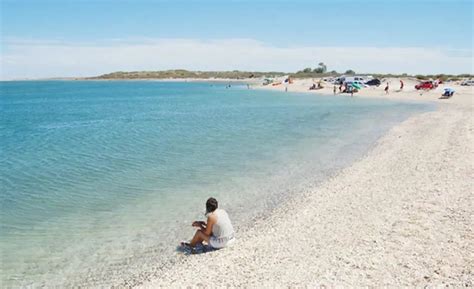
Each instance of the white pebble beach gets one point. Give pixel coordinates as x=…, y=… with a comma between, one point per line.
x=399, y=216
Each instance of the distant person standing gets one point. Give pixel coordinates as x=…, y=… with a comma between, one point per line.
x=401, y=84
x=386, y=89
x=334, y=90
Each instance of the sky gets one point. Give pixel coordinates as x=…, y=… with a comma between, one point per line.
x=67, y=38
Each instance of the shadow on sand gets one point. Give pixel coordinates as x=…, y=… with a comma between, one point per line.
x=199, y=249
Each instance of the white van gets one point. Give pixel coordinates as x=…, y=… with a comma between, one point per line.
x=358, y=78
x=468, y=83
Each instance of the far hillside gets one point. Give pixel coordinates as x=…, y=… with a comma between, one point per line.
x=181, y=74
x=318, y=72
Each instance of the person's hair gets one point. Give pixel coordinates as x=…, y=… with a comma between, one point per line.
x=211, y=205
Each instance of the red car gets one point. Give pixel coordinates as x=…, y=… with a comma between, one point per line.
x=426, y=85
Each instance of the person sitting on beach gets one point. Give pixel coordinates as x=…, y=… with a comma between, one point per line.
x=217, y=231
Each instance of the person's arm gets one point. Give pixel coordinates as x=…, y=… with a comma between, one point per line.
x=200, y=224
x=211, y=220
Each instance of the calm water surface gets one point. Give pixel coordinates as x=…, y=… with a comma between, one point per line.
x=100, y=180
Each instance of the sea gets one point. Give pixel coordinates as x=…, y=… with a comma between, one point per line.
x=100, y=180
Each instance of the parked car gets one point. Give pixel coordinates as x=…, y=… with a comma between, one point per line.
x=267, y=81
x=468, y=83
x=426, y=85
x=373, y=82
x=340, y=80
x=329, y=79
x=360, y=78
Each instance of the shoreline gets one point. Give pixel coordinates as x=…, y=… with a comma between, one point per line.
x=398, y=216
x=253, y=81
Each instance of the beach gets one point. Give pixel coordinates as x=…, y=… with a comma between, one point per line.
x=463, y=94
x=399, y=216
x=341, y=159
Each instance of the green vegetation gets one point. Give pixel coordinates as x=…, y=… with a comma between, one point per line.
x=443, y=77
x=308, y=72
x=181, y=73
x=311, y=74
x=320, y=71
x=322, y=68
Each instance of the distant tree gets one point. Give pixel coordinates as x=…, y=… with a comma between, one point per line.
x=321, y=68
x=350, y=72
x=333, y=72
x=420, y=77
x=307, y=70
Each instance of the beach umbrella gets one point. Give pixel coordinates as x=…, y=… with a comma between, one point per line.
x=356, y=85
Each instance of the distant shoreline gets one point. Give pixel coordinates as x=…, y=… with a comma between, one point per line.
x=233, y=80
x=235, y=75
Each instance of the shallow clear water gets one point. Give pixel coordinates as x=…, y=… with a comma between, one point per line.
x=100, y=180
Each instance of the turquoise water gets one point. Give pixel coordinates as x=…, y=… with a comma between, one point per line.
x=100, y=180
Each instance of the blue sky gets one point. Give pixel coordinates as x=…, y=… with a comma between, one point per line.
x=444, y=27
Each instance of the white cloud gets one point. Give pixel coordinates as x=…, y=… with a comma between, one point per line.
x=37, y=58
